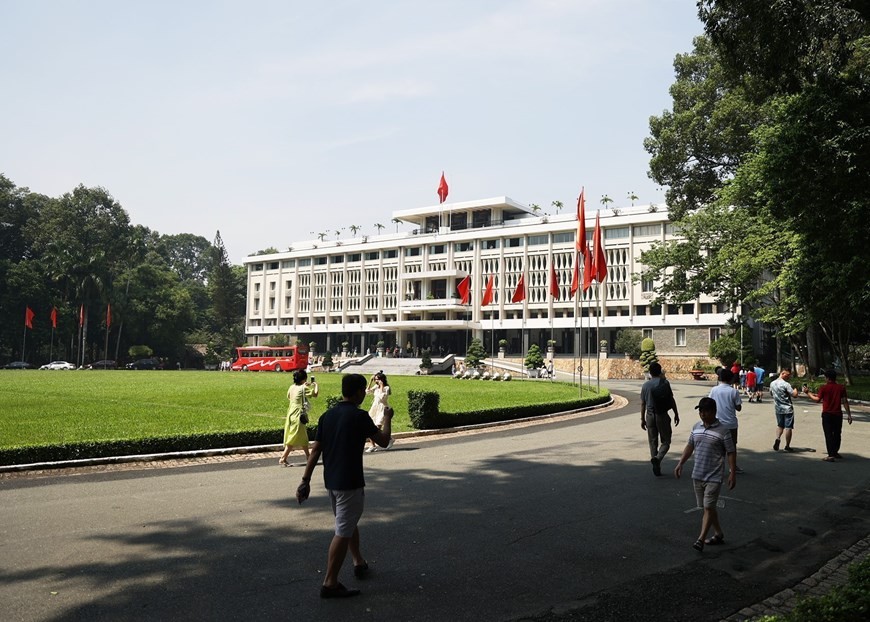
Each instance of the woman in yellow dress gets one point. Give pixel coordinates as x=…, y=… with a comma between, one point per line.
x=295, y=432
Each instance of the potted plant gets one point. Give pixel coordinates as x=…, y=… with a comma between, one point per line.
x=502, y=348
x=534, y=360
x=426, y=363
x=380, y=347
x=312, y=345
x=345, y=347
x=602, y=349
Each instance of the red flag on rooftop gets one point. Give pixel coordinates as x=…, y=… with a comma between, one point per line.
x=487, y=293
x=464, y=289
x=108, y=316
x=554, y=283
x=442, y=189
x=599, y=261
x=54, y=317
x=580, y=242
x=587, y=268
x=575, y=277
x=28, y=318
x=520, y=291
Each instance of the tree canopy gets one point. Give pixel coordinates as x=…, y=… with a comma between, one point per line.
x=79, y=253
x=766, y=153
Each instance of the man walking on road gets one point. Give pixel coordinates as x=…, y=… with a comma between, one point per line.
x=656, y=398
x=710, y=443
x=781, y=391
x=833, y=398
x=728, y=404
x=341, y=436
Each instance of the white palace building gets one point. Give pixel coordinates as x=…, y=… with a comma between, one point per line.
x=401, y=288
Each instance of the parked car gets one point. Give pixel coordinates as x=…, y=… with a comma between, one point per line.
x=151, y=363
x=105, y=364
x=18, y=365
x=58, y=365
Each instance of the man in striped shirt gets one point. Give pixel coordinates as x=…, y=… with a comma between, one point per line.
x=710, y=443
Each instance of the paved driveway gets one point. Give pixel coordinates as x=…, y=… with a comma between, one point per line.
x=532, y=522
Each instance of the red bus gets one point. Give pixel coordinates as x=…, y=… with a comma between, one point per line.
x=265, y=358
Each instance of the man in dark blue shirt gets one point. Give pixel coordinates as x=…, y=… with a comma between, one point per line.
x=341, y=436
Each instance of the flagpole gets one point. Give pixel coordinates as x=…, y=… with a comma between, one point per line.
x=24, y=343
x=51, y=345
x=598, y=336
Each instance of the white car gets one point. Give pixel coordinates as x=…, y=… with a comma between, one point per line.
x=58, y=365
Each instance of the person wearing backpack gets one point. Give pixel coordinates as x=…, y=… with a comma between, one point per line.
x=656, y=399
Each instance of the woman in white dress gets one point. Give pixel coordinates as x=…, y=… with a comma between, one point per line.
x=379, y=388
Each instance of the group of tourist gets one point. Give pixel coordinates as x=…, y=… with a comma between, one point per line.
x=713, y=439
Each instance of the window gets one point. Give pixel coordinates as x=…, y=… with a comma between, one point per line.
x=304, y=262
x=458, y=221
x=481, y=218
x=391, y=254
x=490, y=244
x=290, y=263
x=647, y=285
x=715, y=333
x=707, y=307
x=645, y=231
x=412, y=251
x=288, y=285
x=256, y=287
x=372, y=256
x=273, y=265
x=537, y=240
x=616, y=232
x=680, y=336
x=355, y=257
x=563, y=238
x=320, y=261
x=258, y=267
x=673, y=309
x=463, y=247
x=689, y=308
x=513, y=242
x=640, y=309
x=438, y=249
x=336, y=259
x=271, y=304
x=647, y=333
x=271, y=286
x=256, y=305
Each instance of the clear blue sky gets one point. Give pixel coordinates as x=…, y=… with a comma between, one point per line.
x=269, y=120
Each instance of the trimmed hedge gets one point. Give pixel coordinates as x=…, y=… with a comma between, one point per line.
x=424, y=414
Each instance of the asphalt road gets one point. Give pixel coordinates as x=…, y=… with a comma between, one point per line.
x=556, y=521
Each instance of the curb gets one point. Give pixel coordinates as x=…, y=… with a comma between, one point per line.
x=253, y=449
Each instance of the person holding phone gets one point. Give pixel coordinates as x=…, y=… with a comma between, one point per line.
x=379, y=389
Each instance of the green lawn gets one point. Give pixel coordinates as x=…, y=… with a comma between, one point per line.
x=56, y=407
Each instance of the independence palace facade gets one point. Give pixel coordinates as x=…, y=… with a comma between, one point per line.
x=401, y=288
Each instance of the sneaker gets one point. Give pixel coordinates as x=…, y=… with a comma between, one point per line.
x=338, y=591
x=788, y=448
x=739, y=471
x=656, y=466
x=370, y=449
x=838, y=456
x=776, y=445
x=390, y=444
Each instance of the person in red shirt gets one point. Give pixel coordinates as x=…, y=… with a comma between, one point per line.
x=833, y=398
x=751, y=381
x=735, y=375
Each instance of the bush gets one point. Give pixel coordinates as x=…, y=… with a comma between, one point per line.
x=726, y=349
x=534, y=358
x=628, y=341
x=140, y=352
x=648, y=353
x=475, y=354
x=327, y=360
x=424, y=414
x=426, y=363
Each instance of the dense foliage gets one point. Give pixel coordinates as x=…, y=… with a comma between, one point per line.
x=79, y=254
x=766, y=154
x=628, y=340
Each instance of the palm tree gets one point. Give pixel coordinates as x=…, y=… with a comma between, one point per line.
x=322, y=236
x=605, y=200
x=337, y=232
x=558, y=205
x=535, y=207
x=354, y=229
x=397, y=222
x=632, y=197
x=379, y=226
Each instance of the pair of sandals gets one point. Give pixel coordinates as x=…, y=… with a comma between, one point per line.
x=715, y=540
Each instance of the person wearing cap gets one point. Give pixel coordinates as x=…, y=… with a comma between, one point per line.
x=728, y=404
x=710, y=443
